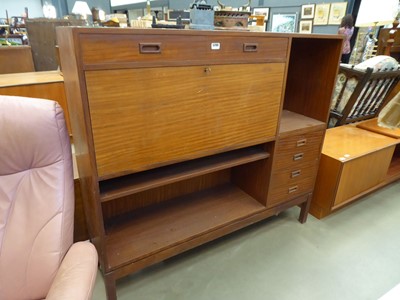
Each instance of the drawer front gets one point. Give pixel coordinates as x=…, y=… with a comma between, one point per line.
x=292, y=151
x=180, y=49
x=126, y=103
x=290, y=183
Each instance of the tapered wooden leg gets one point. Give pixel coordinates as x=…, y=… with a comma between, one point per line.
x=111, y=288
x=305, y=207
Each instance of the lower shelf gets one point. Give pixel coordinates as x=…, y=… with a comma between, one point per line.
x=176, y=223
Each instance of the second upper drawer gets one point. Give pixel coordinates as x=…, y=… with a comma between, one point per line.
x=182, y=49
x=303, y=148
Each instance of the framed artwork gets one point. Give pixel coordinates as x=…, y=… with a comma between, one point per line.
x=337, y=12
x=305, y=26
x=307, y=11
x=261, y=11
x=284, y=22
x=174, y=14
x=321, y=14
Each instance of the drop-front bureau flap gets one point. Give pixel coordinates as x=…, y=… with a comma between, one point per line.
x=148, y=117
x=158, y=50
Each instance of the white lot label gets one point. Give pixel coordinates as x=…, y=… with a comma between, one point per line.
x=215, y=46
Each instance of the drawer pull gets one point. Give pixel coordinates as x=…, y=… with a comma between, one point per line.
x=296, y=173
x=250, y=47
x=301, y=142
x=150, y=48
x=298, y=156
x=293, y=189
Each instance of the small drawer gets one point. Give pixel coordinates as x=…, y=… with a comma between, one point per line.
x=179, y=48
x=304, y=149
x=284, y=186
x=288, y=177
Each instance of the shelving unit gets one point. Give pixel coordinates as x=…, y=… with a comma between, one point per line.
x=179, y=133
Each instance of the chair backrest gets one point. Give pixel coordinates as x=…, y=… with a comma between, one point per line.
x=36, y=195
x=361, y=94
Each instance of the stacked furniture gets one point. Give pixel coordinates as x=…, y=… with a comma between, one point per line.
x=184, y=136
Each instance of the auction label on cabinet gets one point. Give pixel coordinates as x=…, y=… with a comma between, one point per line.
x=215, y=46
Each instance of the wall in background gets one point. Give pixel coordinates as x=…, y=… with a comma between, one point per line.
x=63, y=7
x=275, y=6
x=16, y=8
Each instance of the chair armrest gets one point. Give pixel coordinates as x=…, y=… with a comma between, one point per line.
x=77, y=274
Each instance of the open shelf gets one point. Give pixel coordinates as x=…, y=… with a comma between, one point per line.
x=130, y=184
x=152, y=231
x=292, y=122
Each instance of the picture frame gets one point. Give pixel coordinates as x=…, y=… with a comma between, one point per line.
x=305, y=26
x=321, y=14
x=172, y=14
x=284, y=22
x=337, y=12
x=261, y=11
x=307, y=11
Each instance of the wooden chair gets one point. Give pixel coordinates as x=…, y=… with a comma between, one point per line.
x=369, y=92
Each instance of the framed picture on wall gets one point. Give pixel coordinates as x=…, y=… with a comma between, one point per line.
x=305, y=26
x=321, y=14
x=337, y=12
x=284, y=22
x=261, y=11
x=307, y=11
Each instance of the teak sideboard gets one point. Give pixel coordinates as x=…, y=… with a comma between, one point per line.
x=183, y=136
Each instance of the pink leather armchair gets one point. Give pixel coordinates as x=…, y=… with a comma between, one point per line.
x=37, y=256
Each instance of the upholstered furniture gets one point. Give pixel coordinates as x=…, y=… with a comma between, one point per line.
x=363, y=90
x=37, y=256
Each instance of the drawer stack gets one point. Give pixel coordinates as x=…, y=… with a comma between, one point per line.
x=295, y=162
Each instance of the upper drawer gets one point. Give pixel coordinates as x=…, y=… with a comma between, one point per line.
x=297, y=149
x=190, y=49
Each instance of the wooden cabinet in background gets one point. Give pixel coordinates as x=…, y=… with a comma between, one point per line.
x=180, y=136
x=354, y=162
x=43, y=85
x=16, y=59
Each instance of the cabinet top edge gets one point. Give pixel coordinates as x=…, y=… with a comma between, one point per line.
x=111, y=30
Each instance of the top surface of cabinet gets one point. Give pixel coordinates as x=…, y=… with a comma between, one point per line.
x=351, y=142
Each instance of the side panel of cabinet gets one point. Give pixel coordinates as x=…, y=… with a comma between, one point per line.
x=186, y=112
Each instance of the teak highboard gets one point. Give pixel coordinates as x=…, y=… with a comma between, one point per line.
x=184, y=136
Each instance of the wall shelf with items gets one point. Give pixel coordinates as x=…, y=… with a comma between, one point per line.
x=181, y=146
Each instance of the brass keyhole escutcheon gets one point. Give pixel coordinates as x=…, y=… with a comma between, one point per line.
x=207, y=70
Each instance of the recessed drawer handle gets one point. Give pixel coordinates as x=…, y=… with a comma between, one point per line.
x=298, y=156
x=296, y=173
x=150, y=48
x=250, y=47
x=293, y=189
x=301, y=142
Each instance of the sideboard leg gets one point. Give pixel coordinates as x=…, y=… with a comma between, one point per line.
x=111, y=288
x=305, y=207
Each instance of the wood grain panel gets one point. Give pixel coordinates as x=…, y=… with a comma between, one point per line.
x=179, y=49
x=178, y=110
x=360, y=174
